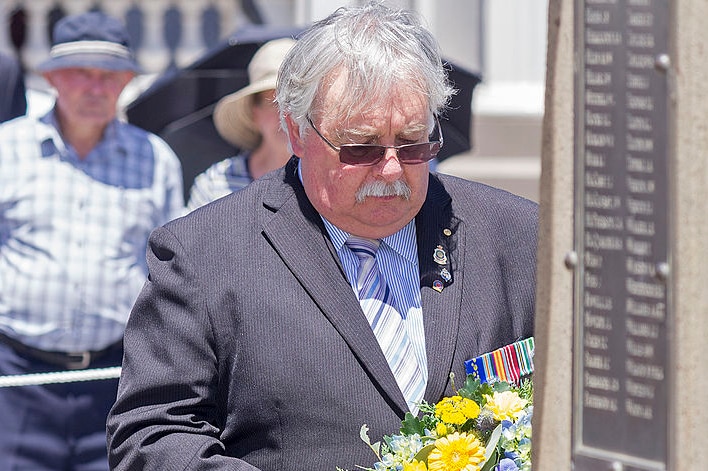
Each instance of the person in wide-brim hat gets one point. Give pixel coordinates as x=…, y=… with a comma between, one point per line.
x=233, y=115
x=249, y=120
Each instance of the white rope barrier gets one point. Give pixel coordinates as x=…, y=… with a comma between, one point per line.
x=59, y=377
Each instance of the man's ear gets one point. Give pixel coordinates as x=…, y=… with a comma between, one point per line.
x=297, y=145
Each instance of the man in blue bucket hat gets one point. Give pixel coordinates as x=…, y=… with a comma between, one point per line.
x=80, y=191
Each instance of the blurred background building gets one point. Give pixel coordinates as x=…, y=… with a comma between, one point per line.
x=503, y=41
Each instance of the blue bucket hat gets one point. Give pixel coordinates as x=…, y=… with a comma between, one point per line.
x=91, y=39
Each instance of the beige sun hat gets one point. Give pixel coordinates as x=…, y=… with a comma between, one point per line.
x=232, y=115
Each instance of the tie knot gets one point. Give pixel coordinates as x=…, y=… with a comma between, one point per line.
x=363, y=248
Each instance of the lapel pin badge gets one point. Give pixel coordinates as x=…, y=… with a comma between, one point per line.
x=447, y=232
x=438, y=286
x=439, y=255
x=445, y=274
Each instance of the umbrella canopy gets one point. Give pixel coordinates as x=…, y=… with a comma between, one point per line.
x=179, y=105
x=456, y=122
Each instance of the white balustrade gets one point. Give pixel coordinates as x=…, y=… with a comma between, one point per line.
x=230, y=15
x=153, y=54
x=73, y=7
x=116, y=9
x=36, y=49
x=191, y=44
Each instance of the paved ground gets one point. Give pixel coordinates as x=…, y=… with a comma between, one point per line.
x=519, y=175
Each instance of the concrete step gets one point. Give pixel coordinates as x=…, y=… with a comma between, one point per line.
x=506, y=154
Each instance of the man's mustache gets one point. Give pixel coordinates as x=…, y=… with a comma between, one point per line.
x=380, y=188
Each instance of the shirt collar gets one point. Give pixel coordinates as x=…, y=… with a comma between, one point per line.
x=53, y=135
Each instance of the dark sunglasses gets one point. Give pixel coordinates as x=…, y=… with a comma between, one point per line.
x=370, y=154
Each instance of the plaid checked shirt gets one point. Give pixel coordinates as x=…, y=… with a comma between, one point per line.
x=222, y=178
x=73, y=233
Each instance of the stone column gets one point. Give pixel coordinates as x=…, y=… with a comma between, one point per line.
x=232, y=18
x=553, y=360
x=76, y=7
x=38, y=43
x=689, y=231
x=153, y=55
x=641, y=209
x=191, y=44
x=116, y=8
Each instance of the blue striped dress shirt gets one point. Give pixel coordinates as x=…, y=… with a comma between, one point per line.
x=397, y=259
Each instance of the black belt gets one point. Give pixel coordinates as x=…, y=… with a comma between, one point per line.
x=67, y=360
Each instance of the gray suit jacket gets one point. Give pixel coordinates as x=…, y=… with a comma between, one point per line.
x=247, y=348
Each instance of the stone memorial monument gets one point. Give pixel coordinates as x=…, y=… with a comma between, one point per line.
x=622, y=313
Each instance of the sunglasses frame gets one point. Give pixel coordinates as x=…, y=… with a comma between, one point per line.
x=439, y=143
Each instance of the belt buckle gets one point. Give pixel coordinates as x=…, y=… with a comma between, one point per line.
x=78, y=360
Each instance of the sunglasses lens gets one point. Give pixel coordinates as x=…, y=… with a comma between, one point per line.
x=361, y=154
x=365, y=154
x=418, y=153
x=371, y=154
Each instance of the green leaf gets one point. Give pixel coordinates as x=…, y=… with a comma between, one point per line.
x=491, y=454
x=526, y=389
x=491, y=445
x=376, y=446
x=469, y=390
x=412, y=424
x=422, y=455
x=364, y=435
x=491, y=462
x=468, y=425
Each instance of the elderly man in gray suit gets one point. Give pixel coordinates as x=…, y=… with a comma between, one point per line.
x=340, y=290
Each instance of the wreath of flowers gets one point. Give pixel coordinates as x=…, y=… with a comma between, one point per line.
x=483, y=427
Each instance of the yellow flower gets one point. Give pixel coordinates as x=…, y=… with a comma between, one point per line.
x=415, y=465
x=456, y=452
x=456, y=410
x=506, y=405
x=441, y=429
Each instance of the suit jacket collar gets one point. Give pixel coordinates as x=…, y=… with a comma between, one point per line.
x=440, y=260
x=297, y=233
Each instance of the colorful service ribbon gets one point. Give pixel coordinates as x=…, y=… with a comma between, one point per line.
x=509, y=363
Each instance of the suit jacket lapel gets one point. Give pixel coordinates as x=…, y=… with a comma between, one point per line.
x=440, y=247
x=297, y=233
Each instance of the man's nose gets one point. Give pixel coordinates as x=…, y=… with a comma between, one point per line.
x=390, y=165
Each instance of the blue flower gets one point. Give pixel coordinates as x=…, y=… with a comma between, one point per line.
x=506, y=465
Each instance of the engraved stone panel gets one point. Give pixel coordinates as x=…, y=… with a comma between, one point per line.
x=621, y=234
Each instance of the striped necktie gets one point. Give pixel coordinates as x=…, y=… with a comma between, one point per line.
x=376, y=301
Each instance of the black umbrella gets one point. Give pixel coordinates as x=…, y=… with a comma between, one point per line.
x=456, y=122
x=179, y=105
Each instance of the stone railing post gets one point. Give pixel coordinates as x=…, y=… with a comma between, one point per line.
x=154, y=55
x=37, y=46
x=191, y=44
